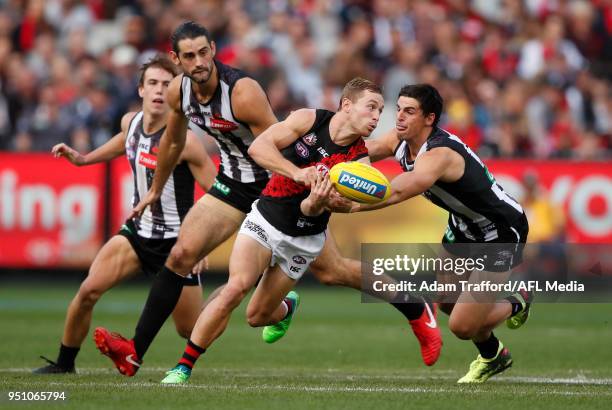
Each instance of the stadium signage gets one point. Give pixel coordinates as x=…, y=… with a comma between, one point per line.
x=53, y=216
x=582, y=190
x=50, y=212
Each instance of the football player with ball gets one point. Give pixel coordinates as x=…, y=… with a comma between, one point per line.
x=286, y=228
x=482, y=216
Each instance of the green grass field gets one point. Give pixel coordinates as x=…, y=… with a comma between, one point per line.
x=339, y=353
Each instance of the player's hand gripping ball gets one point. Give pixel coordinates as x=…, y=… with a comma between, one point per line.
x=360, y=182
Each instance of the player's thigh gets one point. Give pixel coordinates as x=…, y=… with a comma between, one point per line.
x=475, y=303
x=331, y=268
x=291, y=258
x=208, y=224
x=115, y=262
x=330, y=261
x=248, y=260
x=467, y=318
x=270, y=292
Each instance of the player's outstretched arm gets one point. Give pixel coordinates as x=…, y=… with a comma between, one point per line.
x=428, y=168
x=383, y=146
x=265, y=150
x=113, y=148
x=170, y=147
x=199, y=162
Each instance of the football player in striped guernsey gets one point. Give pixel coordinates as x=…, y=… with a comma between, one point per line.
x=482, y=216
x=143, y=243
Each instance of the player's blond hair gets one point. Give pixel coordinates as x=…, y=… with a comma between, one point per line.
x=355, y=88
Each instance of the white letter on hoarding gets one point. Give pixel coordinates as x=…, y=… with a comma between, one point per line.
x=8, y=180
x=579, y=205
x=560, y=190
x=78, y=226
x=37, y=194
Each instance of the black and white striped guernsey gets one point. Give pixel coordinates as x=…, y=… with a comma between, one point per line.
x=216, y=118
x=163, y=218
x=477, y=204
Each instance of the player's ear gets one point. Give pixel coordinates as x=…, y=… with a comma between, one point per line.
x=140, y=91
x=213, y=48
x=175, y=58
x=345, y=105
x=429, y=119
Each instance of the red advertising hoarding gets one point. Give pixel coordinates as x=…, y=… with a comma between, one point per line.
x=51, y=212
x=583, y=190
x=121, y=191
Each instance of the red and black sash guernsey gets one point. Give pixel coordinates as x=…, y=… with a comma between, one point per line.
x=280, y=200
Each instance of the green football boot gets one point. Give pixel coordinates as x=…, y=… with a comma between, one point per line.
x=482, y=369
x=272, y=333
x=518, y=320
x=179, y=375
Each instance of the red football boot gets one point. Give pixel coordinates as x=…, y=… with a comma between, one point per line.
x=120, y=350
x=427, y=332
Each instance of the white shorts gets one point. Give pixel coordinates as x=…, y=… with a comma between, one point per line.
x=292, y=253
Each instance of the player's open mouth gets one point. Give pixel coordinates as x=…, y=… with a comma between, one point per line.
x=400, y=127
x=158, y=101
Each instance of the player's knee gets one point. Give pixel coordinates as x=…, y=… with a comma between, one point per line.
x=181, y=258
x=462, y=329
x=88, y=295
x=328, y=277
x=232, y=294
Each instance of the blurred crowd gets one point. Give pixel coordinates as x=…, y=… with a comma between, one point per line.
x=520, y=78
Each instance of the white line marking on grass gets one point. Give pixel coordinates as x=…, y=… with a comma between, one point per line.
x=337, y=375
x=308, y=389
x=578, y=380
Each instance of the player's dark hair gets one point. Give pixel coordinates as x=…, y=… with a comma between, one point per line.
x=354, y=88
x=188, y=29
x=428, y=97
x=159, y=61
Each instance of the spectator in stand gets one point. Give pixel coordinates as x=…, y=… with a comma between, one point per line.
x=529, y=78
x=45, y=126
x=461, y=122
x=550, y=48
x=96, y=115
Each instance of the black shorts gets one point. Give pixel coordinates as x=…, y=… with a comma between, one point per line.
x=152, y=253
x=240, y=195
x=499, y=255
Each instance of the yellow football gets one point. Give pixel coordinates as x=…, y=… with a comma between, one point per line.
x=360, y=182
